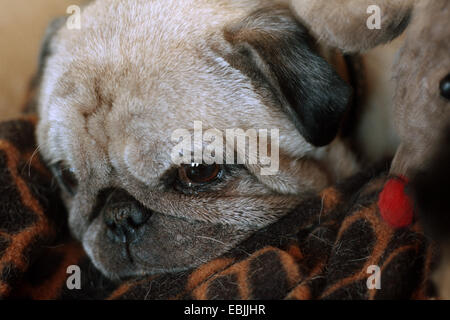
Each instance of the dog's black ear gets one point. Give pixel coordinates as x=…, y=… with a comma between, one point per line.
x=273, y=49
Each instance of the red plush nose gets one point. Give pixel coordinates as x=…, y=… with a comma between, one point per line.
x=395, y=206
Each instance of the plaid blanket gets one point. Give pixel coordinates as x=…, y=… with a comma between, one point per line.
x=334, y=245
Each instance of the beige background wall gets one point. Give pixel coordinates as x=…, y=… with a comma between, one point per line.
x=22, y=25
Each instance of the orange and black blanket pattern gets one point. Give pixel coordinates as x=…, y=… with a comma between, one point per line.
x=331, y=247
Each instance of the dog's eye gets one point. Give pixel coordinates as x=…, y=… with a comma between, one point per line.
x=445, y=87
x=199, y=174
x=65, y=177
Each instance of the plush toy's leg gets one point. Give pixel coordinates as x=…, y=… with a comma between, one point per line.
x=405, y=161
x=351, y=25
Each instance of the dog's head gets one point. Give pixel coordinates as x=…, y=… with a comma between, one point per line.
x=114, y=92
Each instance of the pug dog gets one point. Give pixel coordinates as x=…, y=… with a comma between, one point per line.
x=113, y=92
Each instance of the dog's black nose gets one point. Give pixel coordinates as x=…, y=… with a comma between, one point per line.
x=124, y=216
x=445, y=87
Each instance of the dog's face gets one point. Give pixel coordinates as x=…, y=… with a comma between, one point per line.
x=114, y=93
